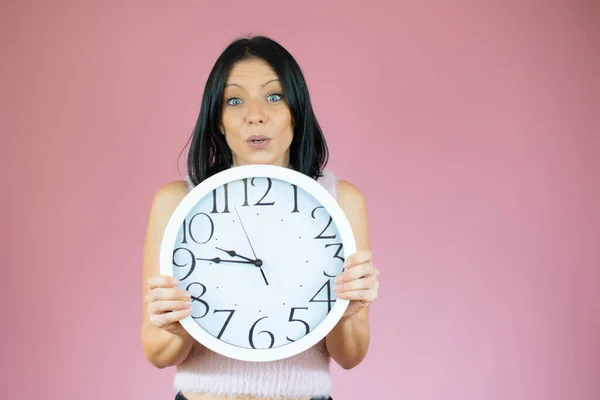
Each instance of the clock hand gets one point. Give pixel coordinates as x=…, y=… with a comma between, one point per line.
x=245, y=233
x=259, y=262
x=264, y=277
x=232, y=253
x=217, y=260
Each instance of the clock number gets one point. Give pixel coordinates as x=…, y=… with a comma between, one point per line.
x=184, y=265
x=265, y=195
x=245, y=180
x=336, y=255
x=252, y=334
x=187, y=229
x=197, y=298
x=298, y=320
x=226, y=321
x=226, y=195
x=328, y=223
x=329, y=300
x=295, y=210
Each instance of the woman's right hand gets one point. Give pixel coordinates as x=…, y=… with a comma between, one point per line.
x=167, y=305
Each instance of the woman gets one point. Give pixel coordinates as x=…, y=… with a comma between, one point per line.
x=255, y=87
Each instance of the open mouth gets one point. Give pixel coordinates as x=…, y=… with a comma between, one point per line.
x=258, y=141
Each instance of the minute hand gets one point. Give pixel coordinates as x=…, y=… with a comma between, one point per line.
x=217, y=260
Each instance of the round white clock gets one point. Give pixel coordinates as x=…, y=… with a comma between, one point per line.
x=258, y=247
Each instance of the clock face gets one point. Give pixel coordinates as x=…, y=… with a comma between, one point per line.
x=259, y=255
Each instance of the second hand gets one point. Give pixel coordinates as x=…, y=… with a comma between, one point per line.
x=252, y=248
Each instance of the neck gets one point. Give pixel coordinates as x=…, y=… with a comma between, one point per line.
x=279, y=163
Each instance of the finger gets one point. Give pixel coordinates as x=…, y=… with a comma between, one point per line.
x=360, y=257
x=162, y=320
x=168, y=294
x=162, y=281
x=359, y=284
x=368, y=296
x=163, y=306
x=363, y=270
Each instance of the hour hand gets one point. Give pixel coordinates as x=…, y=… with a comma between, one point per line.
x=232, y=253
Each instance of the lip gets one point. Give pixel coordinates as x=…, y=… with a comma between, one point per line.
x=259, y=145
x=258, y=137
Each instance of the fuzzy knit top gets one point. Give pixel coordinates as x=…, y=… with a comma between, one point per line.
x=303, y=375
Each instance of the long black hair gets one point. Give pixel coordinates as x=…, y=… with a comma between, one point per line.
x=209, y=152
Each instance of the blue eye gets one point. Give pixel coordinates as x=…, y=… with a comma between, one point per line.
x=232, y=101
x=274, y=97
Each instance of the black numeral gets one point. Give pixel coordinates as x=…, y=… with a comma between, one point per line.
x=265, y=195
x=197, y=298
x=319, y=236
x=298, y=320
x=251, y=335
x=295, y=210
x=336, y=255
x=226, y=195
x=245, y=180
x=192, y=266
x=226, y=321
x=329, y=301
x=187, y=229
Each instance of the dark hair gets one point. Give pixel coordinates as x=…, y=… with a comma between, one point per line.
x=209, y=152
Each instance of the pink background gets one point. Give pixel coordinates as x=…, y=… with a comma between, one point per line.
x=471, y=127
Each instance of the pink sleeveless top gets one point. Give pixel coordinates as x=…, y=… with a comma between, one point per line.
x=303, y=375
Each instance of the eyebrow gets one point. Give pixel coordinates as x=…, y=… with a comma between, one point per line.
x=263, y=85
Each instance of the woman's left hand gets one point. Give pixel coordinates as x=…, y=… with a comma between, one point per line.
x=358, y=283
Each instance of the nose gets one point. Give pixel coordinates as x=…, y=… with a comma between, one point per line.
x=256, y=113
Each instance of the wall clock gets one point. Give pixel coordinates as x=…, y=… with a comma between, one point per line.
x=258, y=247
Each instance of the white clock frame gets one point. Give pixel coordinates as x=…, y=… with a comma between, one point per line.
x=312, y=187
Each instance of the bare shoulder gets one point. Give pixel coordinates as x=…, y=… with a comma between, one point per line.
x=353, y=204
x=350, y=197
x=165, y=202
x=170, y=192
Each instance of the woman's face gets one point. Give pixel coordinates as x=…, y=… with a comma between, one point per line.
x=257, y=122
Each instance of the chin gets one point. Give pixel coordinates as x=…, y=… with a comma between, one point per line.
x=259, y=159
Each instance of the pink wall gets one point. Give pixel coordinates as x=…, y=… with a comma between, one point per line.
x=484, y=220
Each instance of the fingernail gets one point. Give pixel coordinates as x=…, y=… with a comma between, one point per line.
x=337, y=288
